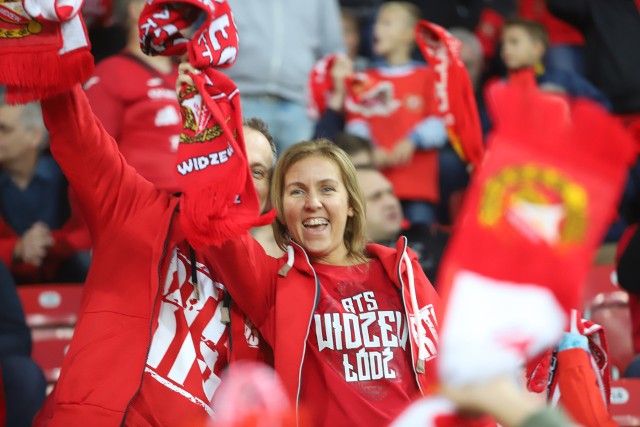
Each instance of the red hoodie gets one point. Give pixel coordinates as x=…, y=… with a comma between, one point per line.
x=134, y=227
x=281, y=305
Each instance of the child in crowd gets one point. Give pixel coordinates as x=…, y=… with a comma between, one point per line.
x=392, y=105
x=524, y=44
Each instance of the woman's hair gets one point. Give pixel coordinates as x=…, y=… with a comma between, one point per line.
x=354, y=233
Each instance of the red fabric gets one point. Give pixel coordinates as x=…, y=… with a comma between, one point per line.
x=281, y=306
x=546, y=161
x=545, y=373
x=320, y=85
x=559, y=31
x=356, y=372
x=72, y=237
x=488, y=31
x=45, y=49
x=137, y=105
x=454, y=94
x=106, y=358
x=581, y=397
x=218, y=198
x=214, y=44
x=392, y=104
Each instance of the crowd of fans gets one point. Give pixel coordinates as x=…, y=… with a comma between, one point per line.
x=347, y=71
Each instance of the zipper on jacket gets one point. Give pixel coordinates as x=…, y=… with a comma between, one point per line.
x=406, y=315
x=304, y=349
x=155, y=305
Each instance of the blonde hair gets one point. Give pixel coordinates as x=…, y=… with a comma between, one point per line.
x=354, y=233
x=412, y=11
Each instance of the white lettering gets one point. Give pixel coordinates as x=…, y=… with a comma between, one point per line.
x=351, y=324
x=322, y=342
x=388, y=339
x=369, y=318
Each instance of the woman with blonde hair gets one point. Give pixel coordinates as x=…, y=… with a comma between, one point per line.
x=339, y=314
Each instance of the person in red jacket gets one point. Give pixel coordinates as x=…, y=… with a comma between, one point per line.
x=353, y=327
x=42, y=237
x=149, y=345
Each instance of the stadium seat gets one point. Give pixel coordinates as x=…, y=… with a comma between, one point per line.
x=625, y=402
x=608, y=305
x=51, y=311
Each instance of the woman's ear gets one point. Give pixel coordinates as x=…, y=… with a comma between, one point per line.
x=350, y=212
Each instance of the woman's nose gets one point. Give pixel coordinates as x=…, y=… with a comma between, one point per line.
x=312, y=202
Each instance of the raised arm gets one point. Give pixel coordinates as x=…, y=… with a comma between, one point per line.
x=108, y=189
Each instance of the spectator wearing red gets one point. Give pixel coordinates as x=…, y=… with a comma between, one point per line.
x=150, y=344
x=326, y=307
x=393, y=106
x=133, y=95
x=42, y=238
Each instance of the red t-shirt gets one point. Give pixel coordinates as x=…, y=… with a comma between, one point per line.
x=138, y=106
x=393, y=102
x=357, y=369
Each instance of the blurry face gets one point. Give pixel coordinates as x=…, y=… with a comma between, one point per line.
x=351, y=36
x=391, y=31
x=316, y=208
x=384, y=214
x=260, y=159
x=15, y=139
x=519, y=50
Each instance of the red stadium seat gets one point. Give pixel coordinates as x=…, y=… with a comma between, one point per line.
x=52, y=312
x=608, y=305
x=625, y=402
x=51, y=304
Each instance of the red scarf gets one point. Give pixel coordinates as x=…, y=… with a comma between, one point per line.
x=218, y=200
x=214, y=44
x=584, y=149
x=453, y=90
x=44, y=48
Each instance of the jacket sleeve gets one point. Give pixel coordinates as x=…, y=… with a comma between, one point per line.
x=581, y=397
x=108, y=189
x=249, y=274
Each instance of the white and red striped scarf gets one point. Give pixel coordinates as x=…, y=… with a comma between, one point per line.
x=453, y=90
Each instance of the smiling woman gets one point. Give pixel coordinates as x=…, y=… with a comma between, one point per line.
x=353, y=326
x=319, y=203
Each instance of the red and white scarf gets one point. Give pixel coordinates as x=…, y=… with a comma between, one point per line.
x=44, y=48
x=453, y=90
x=532, y=219
x=218, y=200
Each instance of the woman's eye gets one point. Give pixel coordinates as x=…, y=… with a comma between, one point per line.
x=328, y=189
x=296, y=192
